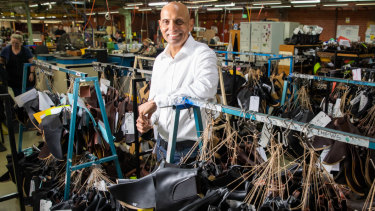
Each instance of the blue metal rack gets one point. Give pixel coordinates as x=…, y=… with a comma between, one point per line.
x=322, y=78
x=308, y=129
x=81, y=77
x=272, y=57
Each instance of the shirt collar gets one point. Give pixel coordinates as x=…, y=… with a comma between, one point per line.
x=185, y=48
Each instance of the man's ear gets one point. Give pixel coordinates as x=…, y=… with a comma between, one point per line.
x=191, y=24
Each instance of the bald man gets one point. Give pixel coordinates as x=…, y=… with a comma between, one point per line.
x=185, y=68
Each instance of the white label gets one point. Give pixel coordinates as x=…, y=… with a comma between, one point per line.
x=262, y=153
x=363, y=101
x=330, y=109
x=336, y=109
x=116, y=121
x=105, y=82
x=265, y=135
x=254, y=103
x=356, y=99
x=100, y=185
x=45, y=205
x=129, y=123
x=357, y=74
x=103, y=88
x=32, y=187
x=321, y=120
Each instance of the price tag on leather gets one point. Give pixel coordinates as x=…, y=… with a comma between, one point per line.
x=362, y=102
x=105, y=82
x=103, y=88
x=45, y=205
x=265, y=135
x=129, y=123
x=262, y=153
x=254, y=103
x=336, y=109
x=356, y=99
x=321, y=120
x=330, y=109
x=357, y=74
x=32, y=187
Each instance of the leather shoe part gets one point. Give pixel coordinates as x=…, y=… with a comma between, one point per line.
x=52, y=130
x=165, y=189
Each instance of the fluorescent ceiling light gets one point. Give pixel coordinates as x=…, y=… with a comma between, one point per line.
x=305, y=5
x=214, y=9
x=48, y=3
x=365, y=4
x=207, y=5
x=157, y=3
x=144, y=9
x=76, y=2
x=131, y=8
x=33, y=5
x=281, y=6
x=41, y=17
x=104, y=12
x=234, y=8
x=248, y=7
x=225, y=5
x=335, y=5
x=193, y=7
x=305, y=2
x=266, y=3
x=134, y=4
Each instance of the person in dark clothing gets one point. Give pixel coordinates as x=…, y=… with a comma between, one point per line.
x=118, y=37
x=13, y=57
x=60, y=31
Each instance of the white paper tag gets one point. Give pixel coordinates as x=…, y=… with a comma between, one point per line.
x=330, y=109
x=129, y=123
x=45, y=205
x=100, y=185
x=356, y=99
x=363, y=101
x=321, y=120
x=103, y=88
x=254, y=103
x=336, y=109
x=262, y=153
x=116, y=120
x=357, y=74
x=105, y=82
x=265, y=135
x=32, y=187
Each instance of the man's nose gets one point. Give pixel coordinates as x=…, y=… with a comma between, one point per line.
x=172, y=25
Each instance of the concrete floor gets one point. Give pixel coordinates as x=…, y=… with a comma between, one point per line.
x=29, y=138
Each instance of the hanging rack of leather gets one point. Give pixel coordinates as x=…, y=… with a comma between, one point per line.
x=133, y=92
x=76, y=101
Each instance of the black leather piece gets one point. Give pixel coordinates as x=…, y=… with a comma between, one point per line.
x=52, y=128
x=138, y=193
x=212, y=197
x=167, y=188
x=175, y=188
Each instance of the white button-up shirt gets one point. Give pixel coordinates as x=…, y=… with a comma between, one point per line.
x=191, y=73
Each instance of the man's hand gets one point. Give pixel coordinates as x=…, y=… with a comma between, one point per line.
x=147, y=109
x=31, y=77
x=143, y=124
x=145, y=112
